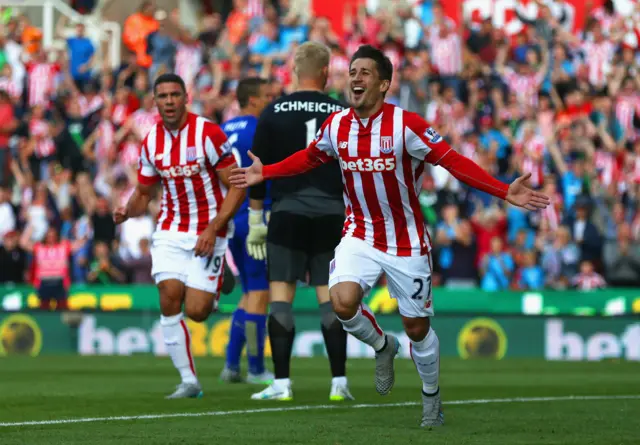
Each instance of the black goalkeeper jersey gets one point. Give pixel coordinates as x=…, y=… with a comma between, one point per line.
x=286, y=126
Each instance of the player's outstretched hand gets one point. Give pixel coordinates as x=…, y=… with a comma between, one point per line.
x=206, y=242
x=120, y=215
x=245, y=177
x=522, y=196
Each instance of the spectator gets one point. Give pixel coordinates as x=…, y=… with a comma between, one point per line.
x=81, y=52
x=140, y=268
x=210, y=30
x=560, y=259
x=488, y=224
x=588, y=278
x=161, y=47
x=137, y=28
x=496, y=267
x=13, y=260
x=10, y=86
x=8, y=221
x=531, y=275
x=545, y=24
x=132, y=232
x=446, y=55
x=8, y=125
x=622, y=261
x=237, y=24
x=521, y=247
x=481, y=43
x=463, y=273
x=50, y=267
x=31, y=36
x=104, y=229
x=102, y=270
x=445, y=235
x=585, y=233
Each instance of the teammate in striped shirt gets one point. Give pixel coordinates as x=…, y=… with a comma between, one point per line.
x=192, y=159
x=382, y=151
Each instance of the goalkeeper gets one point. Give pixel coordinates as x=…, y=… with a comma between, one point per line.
x=307, y=215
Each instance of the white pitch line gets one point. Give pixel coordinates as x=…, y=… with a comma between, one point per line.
x=312, y=407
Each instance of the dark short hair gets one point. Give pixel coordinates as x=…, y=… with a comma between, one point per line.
x=169, y=78
x=248, y=88
x=383, y=63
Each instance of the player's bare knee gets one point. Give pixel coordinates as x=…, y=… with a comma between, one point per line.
x=257, y=302
x=345, y=299
x=198, y=310
x=171, y=297
x=416, y=328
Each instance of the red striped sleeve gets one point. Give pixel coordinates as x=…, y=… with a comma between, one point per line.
x=298, y=163
x=467, y=171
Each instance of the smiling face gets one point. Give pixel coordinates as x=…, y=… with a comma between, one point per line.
x=171, y=101
x=367, y=90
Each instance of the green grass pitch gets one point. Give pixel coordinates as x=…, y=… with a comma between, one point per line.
x=54, y=388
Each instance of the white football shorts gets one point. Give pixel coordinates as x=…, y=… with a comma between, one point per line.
x=408, y=277
x=175, y=259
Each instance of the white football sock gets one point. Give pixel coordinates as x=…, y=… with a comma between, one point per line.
x=365, y=328
x=340, y=381
x=426, y=356
x=178, y=342
x=282, y=383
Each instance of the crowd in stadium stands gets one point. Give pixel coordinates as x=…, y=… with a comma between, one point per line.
x=562, y=105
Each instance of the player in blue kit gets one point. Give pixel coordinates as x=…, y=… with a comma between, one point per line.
x=248, y=325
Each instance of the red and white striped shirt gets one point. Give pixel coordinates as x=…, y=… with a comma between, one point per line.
x=40, y=131
x=51, y=261
x=119, y=114
x=42, y=77
x=106, y=140
x=89, y=106
x=605, y=20
x=339, y=64
x=462, y=125
x=598, y=57
x=13, y=88
x=553, y=212
x=382, y=160
x=255, y=8
x=446, y=54
x=129, y=153
x=626, y=107
x=525, y=87
x=188, y=63
x=533, y=159
x=607, y=167
x=590, y=281
x=382, y=209
x=143, y=121
x=186, y=163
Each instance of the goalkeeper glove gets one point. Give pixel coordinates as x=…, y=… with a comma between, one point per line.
x=257, y=237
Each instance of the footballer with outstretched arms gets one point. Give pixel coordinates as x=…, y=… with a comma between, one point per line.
x=192, y=159
x=382, y=150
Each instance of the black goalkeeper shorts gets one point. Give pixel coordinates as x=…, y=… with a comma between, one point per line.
x=300, y=248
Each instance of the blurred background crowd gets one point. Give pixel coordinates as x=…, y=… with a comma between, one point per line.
x=561, y=104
